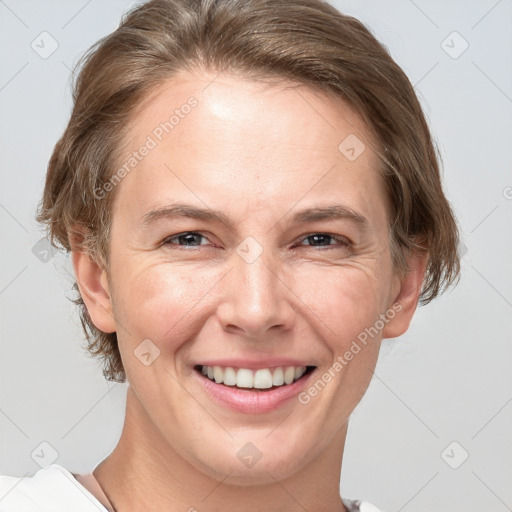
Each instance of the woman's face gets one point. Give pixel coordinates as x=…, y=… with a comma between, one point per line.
x=254, y=281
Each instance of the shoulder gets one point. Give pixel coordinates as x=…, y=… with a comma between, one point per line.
x=360, y=506
x=55, y=489
x=50, y=489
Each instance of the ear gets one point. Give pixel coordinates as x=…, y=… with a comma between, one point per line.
x=93, y=285
x=405, y=296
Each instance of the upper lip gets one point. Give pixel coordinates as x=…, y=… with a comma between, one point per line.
x=253, y=364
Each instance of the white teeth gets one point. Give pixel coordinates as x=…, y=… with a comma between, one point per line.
x=259, y=379
x=299, y=372
x=218, y=374
x=229, y=377
x=278, y=377
x=289, y=374
x=244, y=378
x=263, y=379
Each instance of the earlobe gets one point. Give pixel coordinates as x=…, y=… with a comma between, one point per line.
x=94, y=289
x=406, y=295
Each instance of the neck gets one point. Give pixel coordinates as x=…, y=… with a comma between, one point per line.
x=145, y=473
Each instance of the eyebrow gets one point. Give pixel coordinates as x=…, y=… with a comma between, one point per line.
x=319, y=213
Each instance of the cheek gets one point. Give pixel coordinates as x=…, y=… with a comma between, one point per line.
x=342, y=300
x=161, y=302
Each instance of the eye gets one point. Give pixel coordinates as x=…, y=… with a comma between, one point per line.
x=323, y=240
x=189, y=239
x=186, y=239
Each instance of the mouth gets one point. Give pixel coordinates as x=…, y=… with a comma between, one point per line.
x=253, y=391
x=264, y=379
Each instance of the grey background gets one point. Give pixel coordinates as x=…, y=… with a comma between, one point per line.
x=447, y=380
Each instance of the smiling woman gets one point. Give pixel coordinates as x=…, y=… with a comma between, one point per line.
x=252, y=201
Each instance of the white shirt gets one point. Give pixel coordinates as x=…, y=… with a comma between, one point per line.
x=55, y=489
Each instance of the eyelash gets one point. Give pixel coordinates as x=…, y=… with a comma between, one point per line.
x=343, y=242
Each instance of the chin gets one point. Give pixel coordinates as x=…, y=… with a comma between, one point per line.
x=248, y=465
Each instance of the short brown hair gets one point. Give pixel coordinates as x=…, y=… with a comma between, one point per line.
x=304, y=41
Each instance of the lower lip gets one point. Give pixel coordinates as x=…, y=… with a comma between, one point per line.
x=249, y=401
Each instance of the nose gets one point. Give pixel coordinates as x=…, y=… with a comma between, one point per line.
x=257, y=299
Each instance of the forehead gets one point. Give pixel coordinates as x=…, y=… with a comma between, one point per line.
x=257, y=144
